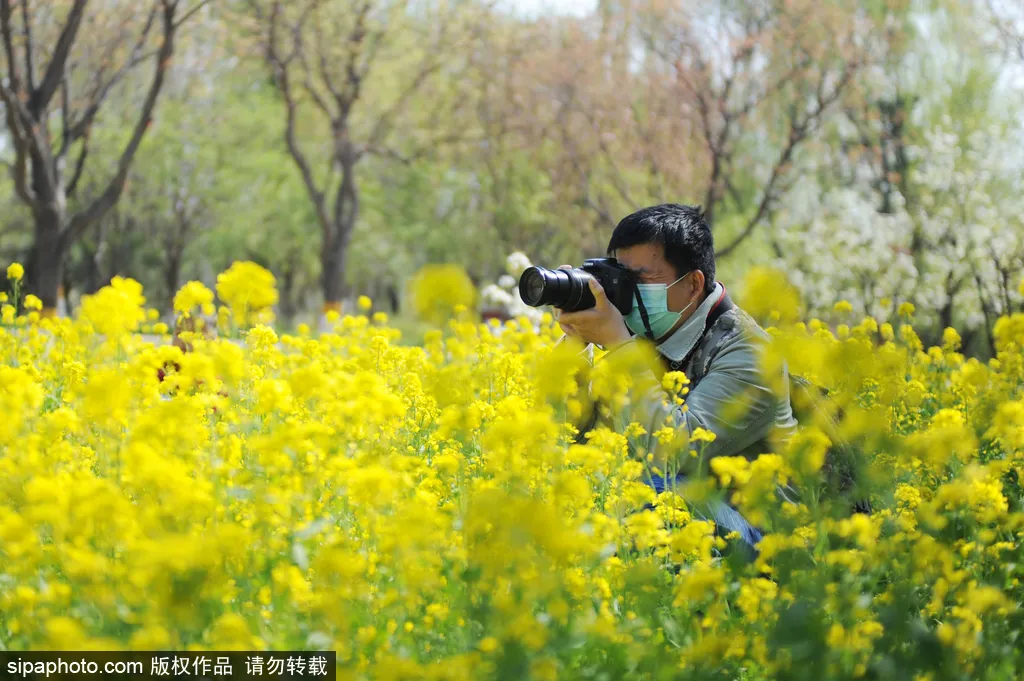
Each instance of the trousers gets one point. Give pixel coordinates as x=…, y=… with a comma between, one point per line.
x=726, y=518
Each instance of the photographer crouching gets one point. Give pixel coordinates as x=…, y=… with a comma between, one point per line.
x=658, y=283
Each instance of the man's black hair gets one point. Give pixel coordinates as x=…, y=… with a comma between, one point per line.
x=682, y=231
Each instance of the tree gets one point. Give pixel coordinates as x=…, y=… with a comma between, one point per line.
x=760, y=78
x=917, y=202
x=350, y=71
x=58, y=78
x=1007, y=17
x=529, y=188
x=704, y=102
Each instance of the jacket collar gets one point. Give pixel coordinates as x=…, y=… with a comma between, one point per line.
x=677, y=346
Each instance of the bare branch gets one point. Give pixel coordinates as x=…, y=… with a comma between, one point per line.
x=768, y=196
x=422, y=149
x=19, y=170
x=30, y=76
x=188, y=15
x=29, y=139
x=42, y=95
x=112, y=193
x=79, y=166
x=370, y=53
x=432, y=62
x=386, y=152
x=383, y=125
x=65, y=111
x=280, y=67
x=355, y=41
x=325, y=72
x=1014, y=39
x=310, y=87
x=13, y=77
x=799, y=130
x=99, y=93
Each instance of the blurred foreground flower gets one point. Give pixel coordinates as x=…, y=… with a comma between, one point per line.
x=192, y=296
x=440, y=291
x=769, y=296
x=249, y=291
x=116, y=309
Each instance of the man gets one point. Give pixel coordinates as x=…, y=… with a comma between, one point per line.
x=697, y=330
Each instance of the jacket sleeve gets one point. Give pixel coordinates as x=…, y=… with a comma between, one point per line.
x=589, y=417
x=733, y=401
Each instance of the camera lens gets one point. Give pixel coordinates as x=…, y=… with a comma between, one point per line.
x=567, y=290
x=531, y=287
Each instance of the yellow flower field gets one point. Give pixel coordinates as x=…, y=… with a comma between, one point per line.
x=426, y=512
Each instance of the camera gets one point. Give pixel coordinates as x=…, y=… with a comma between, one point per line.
x=569, y=290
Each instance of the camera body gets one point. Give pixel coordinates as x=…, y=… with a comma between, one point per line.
x=569, y=290
x=618, y=282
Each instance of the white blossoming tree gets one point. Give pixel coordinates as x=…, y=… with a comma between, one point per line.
x=933, y=217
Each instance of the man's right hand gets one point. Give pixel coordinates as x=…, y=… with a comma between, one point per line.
x=601, y=324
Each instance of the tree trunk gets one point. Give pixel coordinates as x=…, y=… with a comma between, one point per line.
x=945, y=320
x=336, y=240
x=331, y=272
x=45, y=268
x=288, y=305
x=172, y=277
x=67, y=285
x=97, y=268
x=393, y=298
x=332, y=269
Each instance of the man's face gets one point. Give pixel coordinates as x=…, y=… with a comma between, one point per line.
x=648, y=262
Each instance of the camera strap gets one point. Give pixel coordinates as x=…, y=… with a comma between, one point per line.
x=723, y=305
x=643, y=314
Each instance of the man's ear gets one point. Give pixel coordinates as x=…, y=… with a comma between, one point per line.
x=698, y=280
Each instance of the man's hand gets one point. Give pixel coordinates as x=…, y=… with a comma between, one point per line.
x=602, y=324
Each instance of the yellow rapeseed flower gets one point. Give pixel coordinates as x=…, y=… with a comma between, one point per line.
x=191, y=296
x=247, y=289
x=843, y=307
x=443, y=511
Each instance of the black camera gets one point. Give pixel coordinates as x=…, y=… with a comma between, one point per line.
x=569, y=290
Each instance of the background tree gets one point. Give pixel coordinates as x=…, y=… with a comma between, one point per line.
x=351, y=70
x=61, y=65
x=915, y=202
x=1008, y=20
x=709, y=103
x=860, y=146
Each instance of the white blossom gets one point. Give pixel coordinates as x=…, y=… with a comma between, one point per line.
x=965, y=222
x=515, y=263
x=496, y=296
